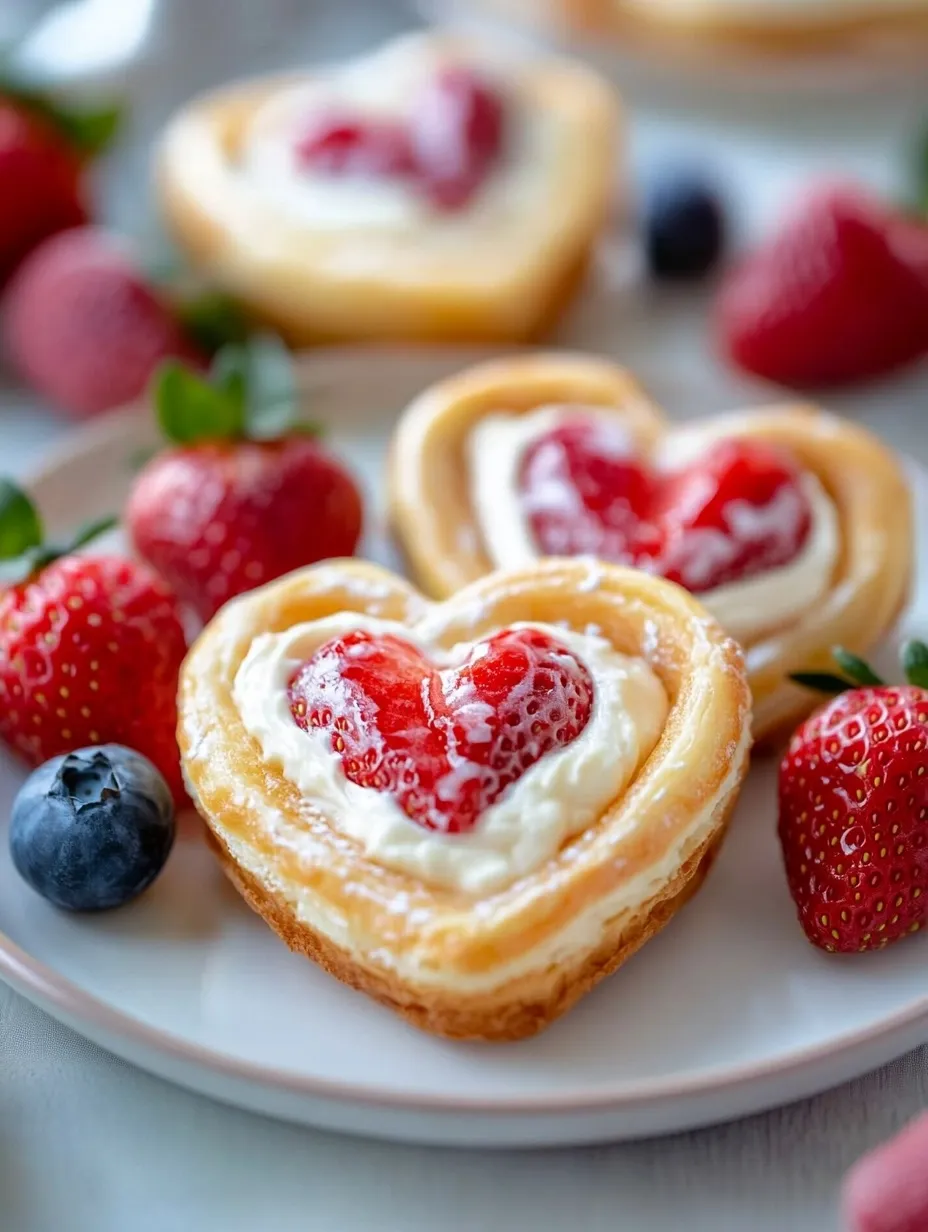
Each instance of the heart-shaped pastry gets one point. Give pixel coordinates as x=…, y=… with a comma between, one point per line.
x=471, y=810
x=432, y=190
x=793, y=527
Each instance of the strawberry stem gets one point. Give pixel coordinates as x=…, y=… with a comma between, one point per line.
x=856, y=673
x=20, y=524
x=249, y=393
x=822, y=682
x=915, y=663
x=23, y=550
x=211, y=320
x=914, y=658
x=860, y=673
x=89, y=131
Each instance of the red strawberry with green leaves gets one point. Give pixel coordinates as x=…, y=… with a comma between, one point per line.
x=246, y=493
x=44, y=150
x=90, y=646
x=853, y=801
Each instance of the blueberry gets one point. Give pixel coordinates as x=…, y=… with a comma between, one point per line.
x=684, y=228
x=92, y=829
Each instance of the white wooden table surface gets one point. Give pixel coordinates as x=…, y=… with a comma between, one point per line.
x=87, y=1144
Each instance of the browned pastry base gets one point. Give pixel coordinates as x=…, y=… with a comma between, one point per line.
x=524, y=1007
x=476, y=328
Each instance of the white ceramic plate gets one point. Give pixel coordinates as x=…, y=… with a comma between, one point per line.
x=727, y=1012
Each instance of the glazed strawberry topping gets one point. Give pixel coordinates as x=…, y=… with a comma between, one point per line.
x=445, y=744
x=446, y=149
x=735, y=511
x=341, y=144
x=457, y=133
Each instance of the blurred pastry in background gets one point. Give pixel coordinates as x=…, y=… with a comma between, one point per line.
x=427, y=191
x=767, y=25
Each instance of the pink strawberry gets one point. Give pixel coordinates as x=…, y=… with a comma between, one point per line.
x=831, y=299
x=82, y=325
x=90, y=648
x=853, y=801
x=887, y=1191
x=444, y=744
x=245, y=495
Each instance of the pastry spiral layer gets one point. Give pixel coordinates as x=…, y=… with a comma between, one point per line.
x=868, y=571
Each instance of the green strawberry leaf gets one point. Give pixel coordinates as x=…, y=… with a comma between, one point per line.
x=192, y=408
x=272, y=403
x=229, y=373
x=88, y=532
x=20, y=524
x=915, y=663
x=90, y=131
x=22, y=547
x=211, y=320
x=822, y=682
x=249, y=393
x=859, y=671
x=45, y=554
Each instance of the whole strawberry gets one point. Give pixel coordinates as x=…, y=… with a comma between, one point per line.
x=246, y=494
x=43, y=152
x=835, y=296
x=853, y=808
x=90, y=647
x=84, y=327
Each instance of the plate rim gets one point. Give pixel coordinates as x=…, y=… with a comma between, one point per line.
x=42, y=985
x=67, y=1001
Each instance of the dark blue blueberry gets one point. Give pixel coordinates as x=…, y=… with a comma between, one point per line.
x=93, y=829
x=684, y=227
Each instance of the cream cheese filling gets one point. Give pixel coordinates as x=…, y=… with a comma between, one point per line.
x=556, y=798
x=746, y=609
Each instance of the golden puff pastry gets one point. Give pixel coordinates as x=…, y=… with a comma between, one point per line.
x=341, y=250
x=455, y=504
x=768, y=27
x=491, y=933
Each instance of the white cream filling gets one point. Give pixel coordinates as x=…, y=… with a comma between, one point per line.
x=497, y=446
x=559, y=796
x=381, y=85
